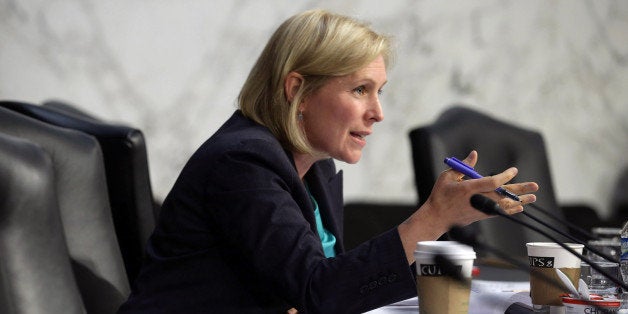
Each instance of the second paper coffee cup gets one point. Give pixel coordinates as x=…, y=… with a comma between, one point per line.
x=438, y=291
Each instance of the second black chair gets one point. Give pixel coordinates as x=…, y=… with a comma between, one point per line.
x=36, y=275
x=83, y=204
x=126, y=166
x=500, y=145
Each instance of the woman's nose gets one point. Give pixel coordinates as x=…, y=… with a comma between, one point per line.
x=376, y=113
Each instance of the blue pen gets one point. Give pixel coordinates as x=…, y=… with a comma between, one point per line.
x=468, y=171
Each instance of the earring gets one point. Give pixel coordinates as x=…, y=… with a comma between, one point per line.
x=300, y=116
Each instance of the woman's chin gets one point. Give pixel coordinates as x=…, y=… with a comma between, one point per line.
x=352, y=159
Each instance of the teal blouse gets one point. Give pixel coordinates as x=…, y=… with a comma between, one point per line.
x=327, y=238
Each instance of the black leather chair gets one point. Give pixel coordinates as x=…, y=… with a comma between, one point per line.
x=35, y=273
x=83, y=203
x=363, y=221
x=500, y=145
x=126, y=165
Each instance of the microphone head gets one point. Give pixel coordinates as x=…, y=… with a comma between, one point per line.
x=485, y=205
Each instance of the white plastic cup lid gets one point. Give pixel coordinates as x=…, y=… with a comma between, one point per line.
x=561, y=257
x=452, y=249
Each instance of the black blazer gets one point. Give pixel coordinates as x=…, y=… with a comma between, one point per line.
x=237, y=234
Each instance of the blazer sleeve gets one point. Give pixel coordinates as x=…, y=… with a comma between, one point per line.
x=261, y=206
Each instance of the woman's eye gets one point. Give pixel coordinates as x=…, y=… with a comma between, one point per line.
x=360, y=90
x=379, y=92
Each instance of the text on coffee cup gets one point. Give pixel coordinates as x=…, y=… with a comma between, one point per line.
x=435, y=270
x=541, y=261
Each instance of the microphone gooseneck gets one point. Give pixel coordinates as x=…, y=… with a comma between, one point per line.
x=572, y=238
x=574, y=227
x=488, y=206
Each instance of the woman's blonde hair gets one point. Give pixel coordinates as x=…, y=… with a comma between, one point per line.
x=318, y=45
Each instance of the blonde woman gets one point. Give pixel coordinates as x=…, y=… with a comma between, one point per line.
x=254, y=222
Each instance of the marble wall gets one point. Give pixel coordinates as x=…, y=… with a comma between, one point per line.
x=174, y=69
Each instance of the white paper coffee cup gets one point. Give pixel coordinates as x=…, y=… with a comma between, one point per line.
x=438, y=291
x=543, y=258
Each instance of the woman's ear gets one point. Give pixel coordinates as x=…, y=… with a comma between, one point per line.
x=292, y=84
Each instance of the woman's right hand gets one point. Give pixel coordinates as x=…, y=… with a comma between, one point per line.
x=449, y=205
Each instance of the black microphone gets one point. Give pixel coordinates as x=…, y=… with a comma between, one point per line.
x=490, y=207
